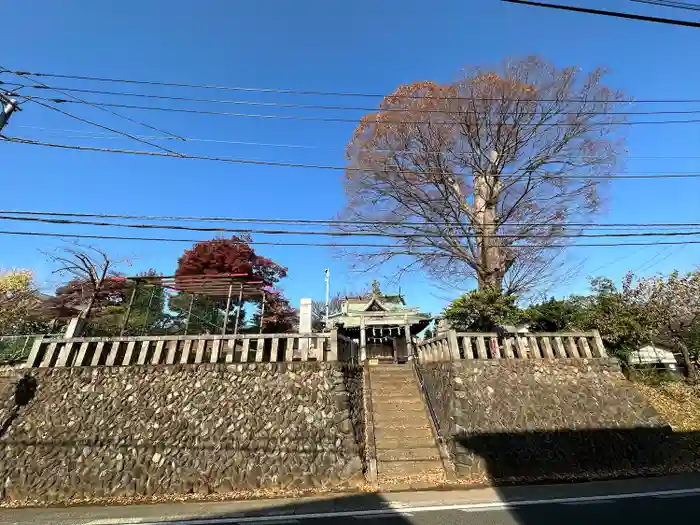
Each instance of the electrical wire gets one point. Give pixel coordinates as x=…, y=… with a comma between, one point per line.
x=128, y=135
x=332, y=245
x=667, y=3
x=616, y=260
x=302, y=92
x=329, y=221
x=355, y=120
x=93, y=104
x=601, y=12
x=679, y=175
x=345, y=233
x=294, y=146
x=348, y=108
x=84, y=135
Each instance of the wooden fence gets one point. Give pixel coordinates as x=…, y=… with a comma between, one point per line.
x=453, y=345
x=160, y=350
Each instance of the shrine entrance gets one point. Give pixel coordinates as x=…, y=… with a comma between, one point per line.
x=382, y=325
x=386, y=343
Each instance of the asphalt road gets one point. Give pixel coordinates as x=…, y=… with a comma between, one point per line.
x=639, y=502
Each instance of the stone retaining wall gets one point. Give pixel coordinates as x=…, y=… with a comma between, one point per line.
x=354, y=385
x=437, y=378
x=168, y=430
x=536, y=420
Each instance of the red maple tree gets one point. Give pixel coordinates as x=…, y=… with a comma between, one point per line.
x=233, y=256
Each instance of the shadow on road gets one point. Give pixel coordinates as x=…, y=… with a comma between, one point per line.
x=580, y=455
x=532, y=458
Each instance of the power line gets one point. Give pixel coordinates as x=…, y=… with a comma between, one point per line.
x=668, y=3
x=616, y=260
x=678, y=175
x=93, y=104
x=301, y=92
x=601, y=12
x=86, y=121
x=87, y=135
x=379, y=121
x=345, y=233
x=330, y=245
x=330, y=221
x=84, y=135
x=350, y=108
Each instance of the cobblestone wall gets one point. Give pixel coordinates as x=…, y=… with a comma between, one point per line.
x=526, y=420
x=437, y=380
x=168, y=430
x=354, y=386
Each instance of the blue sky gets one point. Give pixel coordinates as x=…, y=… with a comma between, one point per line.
x=361, y=46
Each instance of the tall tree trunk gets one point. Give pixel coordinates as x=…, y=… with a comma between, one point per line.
x=490, y=274
x=690, y=366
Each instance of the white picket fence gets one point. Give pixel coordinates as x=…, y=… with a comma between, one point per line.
x=156, y=350
x=453, y=345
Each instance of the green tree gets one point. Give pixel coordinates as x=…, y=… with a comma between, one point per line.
x=20, y=306
x=622, y=324
x=553, y=315
x=280, y=316
x=207, y=314
x=482, y=310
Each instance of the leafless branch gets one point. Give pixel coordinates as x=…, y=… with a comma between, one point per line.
x=494, y=155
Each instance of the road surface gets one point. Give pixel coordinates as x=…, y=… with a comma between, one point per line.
x=639, y=502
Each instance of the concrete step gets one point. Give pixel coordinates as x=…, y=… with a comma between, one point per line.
x=387, y=408
x=396, y=443
x=392, y=375
x=401, y=403
x=408, y=424
x=387, y=424
x=407, y=434
x=409, y=454
x=393, y=414
x=400, y=419
x=399, y=393
x=407, y=468
x=386, y=383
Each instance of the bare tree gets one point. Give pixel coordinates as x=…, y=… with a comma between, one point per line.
x=318, y=311
x=481, y=177
x=89, y=267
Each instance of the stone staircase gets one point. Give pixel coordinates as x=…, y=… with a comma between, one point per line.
x=407, y=454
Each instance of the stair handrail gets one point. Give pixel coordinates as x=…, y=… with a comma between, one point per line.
x=424, y=392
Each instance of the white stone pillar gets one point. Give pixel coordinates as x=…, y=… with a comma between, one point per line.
x=304, y=323
x=363, y=341
x=409, y=346
x=74, y=328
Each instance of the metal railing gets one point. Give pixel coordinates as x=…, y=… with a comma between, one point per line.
x=428, y=402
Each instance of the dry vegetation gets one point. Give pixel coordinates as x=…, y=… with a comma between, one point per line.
x=678, y=402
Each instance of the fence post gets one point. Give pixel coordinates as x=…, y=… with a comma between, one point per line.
x=333, y=351
x=599, y=346
x=33, y=359
x=454, y=348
